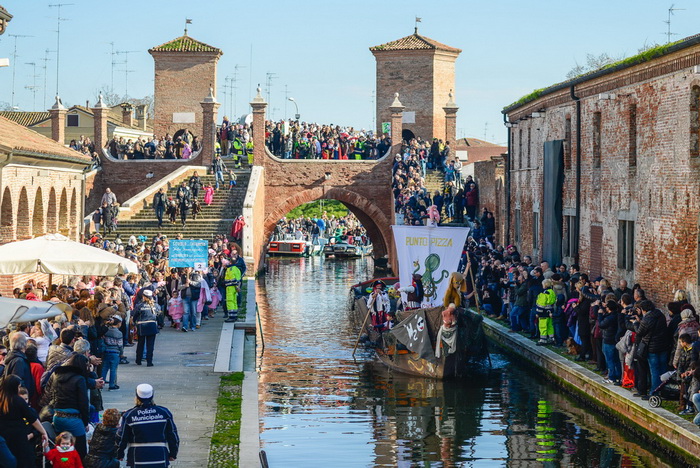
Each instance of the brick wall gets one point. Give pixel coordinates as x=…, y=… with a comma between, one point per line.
x=659, y=193
x=182, y=81
x=127, y=178
x=423, y=79
x=36, y=201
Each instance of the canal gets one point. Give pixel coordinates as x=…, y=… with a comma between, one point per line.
x=321, y=408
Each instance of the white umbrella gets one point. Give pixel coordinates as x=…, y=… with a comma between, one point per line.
x=21, y=310
x=56, y=254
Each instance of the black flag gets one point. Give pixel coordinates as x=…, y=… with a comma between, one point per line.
x=413, y=333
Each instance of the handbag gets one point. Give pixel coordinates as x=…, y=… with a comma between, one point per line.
x=641, y=350
x=46, y=413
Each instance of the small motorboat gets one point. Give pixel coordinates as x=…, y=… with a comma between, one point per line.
x=291, y=248
x=345, y=250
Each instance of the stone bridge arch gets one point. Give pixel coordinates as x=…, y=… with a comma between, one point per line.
x=279, y=185
x=372, y=217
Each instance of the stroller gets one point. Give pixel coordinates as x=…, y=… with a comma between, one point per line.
x=669, y=389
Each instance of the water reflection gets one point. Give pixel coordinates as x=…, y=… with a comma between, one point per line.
x=321, y=408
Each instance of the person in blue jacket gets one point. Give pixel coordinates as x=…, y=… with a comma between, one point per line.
x=147, y=433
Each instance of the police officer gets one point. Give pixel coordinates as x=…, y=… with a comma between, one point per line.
x=147, y=433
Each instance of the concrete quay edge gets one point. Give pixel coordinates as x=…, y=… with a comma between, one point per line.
x=668, y=431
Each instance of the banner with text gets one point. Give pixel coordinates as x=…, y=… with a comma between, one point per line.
x=433, y=253
x=189, y=253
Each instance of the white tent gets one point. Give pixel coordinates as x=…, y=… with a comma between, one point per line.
x=56, y=254
x=20, y=310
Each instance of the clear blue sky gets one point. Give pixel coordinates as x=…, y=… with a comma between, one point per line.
x=319, y=49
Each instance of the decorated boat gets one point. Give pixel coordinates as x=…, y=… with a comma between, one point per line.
x=410, y=329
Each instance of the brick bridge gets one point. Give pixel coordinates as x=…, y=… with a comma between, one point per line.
x=277, y=186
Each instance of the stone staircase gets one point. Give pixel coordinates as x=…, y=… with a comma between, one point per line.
x=213, y=219
x=434, y=180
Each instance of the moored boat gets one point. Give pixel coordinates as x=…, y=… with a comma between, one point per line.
x=292, y=248
x=345, y=250
x=437, y=359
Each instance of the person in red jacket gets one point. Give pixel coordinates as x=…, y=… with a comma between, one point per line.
x=64, y=454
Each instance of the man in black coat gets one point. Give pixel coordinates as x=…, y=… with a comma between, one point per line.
x=17, y=363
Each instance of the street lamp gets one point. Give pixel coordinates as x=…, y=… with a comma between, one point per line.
x=296, y=116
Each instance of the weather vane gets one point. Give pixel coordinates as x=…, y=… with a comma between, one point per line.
x=187, y=21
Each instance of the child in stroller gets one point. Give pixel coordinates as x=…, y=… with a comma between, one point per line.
x=669, y=389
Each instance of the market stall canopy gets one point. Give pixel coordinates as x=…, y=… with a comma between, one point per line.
x=21, y=310
x=58, y=255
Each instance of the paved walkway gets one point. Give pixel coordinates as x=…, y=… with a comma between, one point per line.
x=185, y=383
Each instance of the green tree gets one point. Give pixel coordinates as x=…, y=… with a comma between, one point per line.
x=313, y=209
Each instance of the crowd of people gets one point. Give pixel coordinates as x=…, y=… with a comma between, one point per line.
x=413, y=200
x=302, y=140
x=183, y=146
x=54, y=371
x=336, y=229
x=631, y=341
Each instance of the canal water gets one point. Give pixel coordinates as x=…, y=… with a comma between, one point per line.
x=321, y=408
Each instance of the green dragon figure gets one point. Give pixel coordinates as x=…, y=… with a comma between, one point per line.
x=432, y=263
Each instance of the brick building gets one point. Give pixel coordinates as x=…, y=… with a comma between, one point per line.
x=422, y=71
x=41, y=188
x=604, y=170
x=185, y=70
x=123, y=121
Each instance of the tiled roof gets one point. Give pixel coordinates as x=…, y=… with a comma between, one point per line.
x=21, y=139
x=184, y=44
x=415, y=42
x=25, y=118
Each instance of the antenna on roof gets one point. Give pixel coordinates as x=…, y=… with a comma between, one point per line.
x=671, y=9
x=418, y=20
x=187, y=21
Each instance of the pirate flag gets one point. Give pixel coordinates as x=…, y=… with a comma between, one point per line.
x=413, y=333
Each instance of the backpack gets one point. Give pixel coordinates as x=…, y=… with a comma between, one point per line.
x=570, y=313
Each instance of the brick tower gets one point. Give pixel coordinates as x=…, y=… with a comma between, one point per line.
x=185, y=70
x=422, y=71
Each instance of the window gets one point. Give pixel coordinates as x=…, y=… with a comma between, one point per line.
x=625, y=245
x=569, y=241
x=695, y=122
x=517, y=226
x=520, y=148
x=596, y=139
x=633, y=135
x=535, y=230
x=567, y=144
x=72, y=120
x=529, y=145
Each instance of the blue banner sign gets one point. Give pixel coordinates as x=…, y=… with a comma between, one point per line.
x=189, y=253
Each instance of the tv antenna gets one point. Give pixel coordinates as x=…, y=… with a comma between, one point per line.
x=33, y=87
x=234, y=82
x=126, y=70
x=45, y=68
x=58, y=36
x=14, y=66
x=269, y=76
x=671, y=9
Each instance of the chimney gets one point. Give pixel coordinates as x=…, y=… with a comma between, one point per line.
x=100, y=113
x=142, y=116
x=87, y=103
x=58, y=122
x=127, y=114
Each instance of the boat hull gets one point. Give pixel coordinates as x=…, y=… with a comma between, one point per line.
x=471, y=344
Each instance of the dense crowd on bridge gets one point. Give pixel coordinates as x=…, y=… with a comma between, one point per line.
x=54, y=372
x=631, y=341
x=182, y=146
x=302, y=140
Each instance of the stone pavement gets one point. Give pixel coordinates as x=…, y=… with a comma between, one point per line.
x=184, y=381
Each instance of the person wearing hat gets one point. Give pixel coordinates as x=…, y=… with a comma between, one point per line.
x=378, y=303
x=145, y=315
x=114, y=346
x=147, y=433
